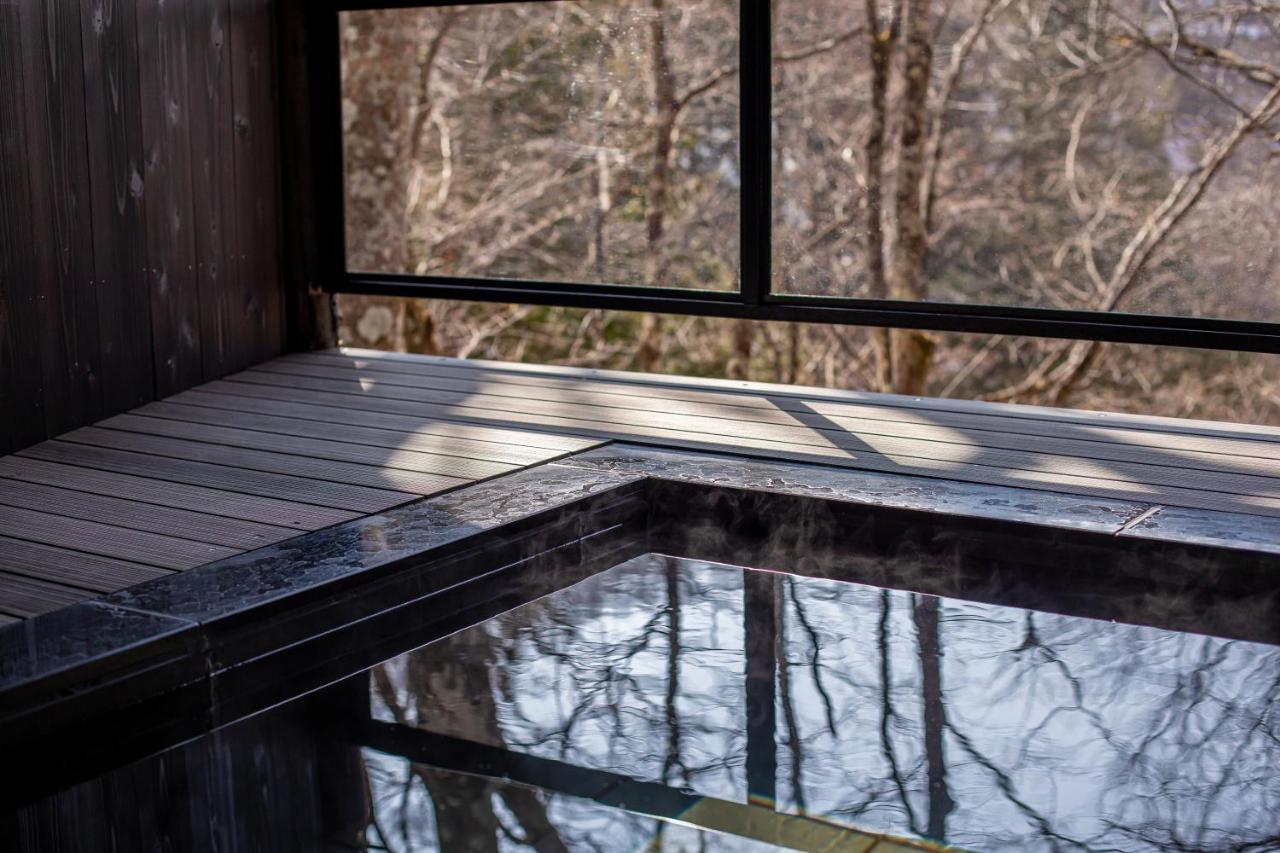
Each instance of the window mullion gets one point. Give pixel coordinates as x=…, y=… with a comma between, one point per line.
x=755, y=117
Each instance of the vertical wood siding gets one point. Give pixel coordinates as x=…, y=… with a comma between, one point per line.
x=139, y=204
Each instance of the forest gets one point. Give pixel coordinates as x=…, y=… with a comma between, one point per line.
x=1073, y=154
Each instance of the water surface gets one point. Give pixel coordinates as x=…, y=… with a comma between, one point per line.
x=989, y=727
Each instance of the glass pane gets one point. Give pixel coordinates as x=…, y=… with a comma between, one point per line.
x=1094, y=156
x=584, y=141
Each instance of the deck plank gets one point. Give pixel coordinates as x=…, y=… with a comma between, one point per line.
x=300, y=489
x=22, y=596
x=1260, y=460
x=292, y=514
x=197, y=526
x=445, y=439
x=764, y=407
x=341, y=451
x=1160, y=425
x=380, y=477
x=868, y=451
x=216, y=394
x=88, y=571
x=108, y=540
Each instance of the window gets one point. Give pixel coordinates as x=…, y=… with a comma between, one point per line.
x=1066, y=170
x=1071, y=156
x=558, y=141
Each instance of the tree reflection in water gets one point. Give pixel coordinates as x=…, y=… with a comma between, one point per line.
x=990, y=727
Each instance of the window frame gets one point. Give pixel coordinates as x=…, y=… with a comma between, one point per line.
x=755, y=298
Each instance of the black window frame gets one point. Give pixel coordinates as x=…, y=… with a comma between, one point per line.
x=755, y=298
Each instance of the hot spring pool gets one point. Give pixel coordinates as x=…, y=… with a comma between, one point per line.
x=674, y=704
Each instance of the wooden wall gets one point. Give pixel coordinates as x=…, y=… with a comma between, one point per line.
x=140, y=225
x=272, y=782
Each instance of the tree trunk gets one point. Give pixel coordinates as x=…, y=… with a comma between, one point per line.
x=604, y=201
x=793, y=353
x=926, y=613
x=465, y=819
x=448, y=688
x=912, y=349
x=604, y=189
x=880, y=48
x=417, y=113
x=743, y=334
x=673, y=759
x=421, y=336
x=667, y=110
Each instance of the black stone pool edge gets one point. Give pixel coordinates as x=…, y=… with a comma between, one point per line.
x=183, y=654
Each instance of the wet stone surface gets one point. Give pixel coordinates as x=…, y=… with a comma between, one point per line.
x=337, y=552
x=70, y=636
x=1204, y=527
x=889, y=490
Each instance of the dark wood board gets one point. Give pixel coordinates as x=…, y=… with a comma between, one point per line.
x=391, y=457
x=87, y=571
x=231, y=396
x=22, y=596
x=230, y=504
x=212, y=138
x=21, y=379
x=165, y=70
x=326, y=469
x=113, y=112
x=107, y=540
x=361, y=499
x=108, y=509
x=60, y=214
x=257, y=180
x=452, y=442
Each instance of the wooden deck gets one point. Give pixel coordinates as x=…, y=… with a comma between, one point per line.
x=306, y=441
